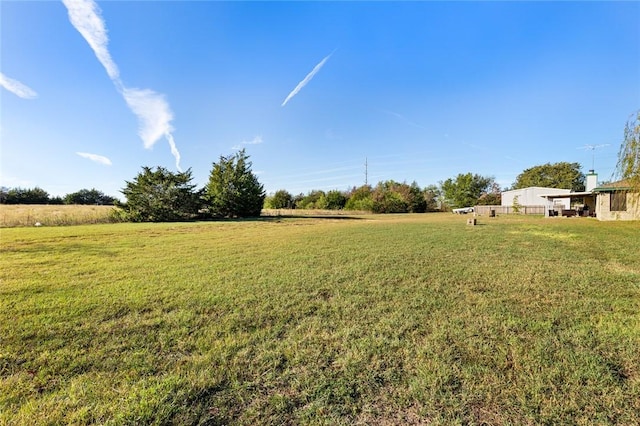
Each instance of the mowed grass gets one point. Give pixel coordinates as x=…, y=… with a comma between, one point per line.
x=12, y=215
x=409, y=319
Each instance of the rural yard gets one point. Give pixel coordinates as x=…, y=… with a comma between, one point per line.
x=377, y=319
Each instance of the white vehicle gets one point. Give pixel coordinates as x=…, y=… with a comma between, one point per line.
x=463, y=210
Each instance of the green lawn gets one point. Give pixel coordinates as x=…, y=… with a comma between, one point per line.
x=408, y=319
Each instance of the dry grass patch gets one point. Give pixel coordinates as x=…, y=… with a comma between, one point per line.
x=53, y=215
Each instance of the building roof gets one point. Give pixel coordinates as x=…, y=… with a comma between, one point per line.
x=567, y=195
x=537, y=187
x=621, y=185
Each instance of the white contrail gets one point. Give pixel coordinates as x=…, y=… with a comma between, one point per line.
x=17, y=88
x=405, y=119
x=95, y=157
x=174, y=150
x=151, y=108
x=307, y=79
x=85, y=17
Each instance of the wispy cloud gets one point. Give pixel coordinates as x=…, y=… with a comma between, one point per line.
x=255, y=141
x=405, y=119
x=151, y=108
x=17, y=88
x=95, y=157
x=307, y=79
x=153, y=113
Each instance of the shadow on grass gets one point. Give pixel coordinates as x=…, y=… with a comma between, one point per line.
x=279, y=218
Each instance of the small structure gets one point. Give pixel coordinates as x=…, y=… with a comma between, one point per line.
x=536, y=196
x=584, y=202
x=613, y=201
x=617, y=201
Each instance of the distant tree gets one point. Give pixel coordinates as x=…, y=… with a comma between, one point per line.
x=388, y=197
x=432, y=197
x=281, y=200
x=493, y=196
x=360, y=199
x=335, y=200
x=161, y=196
x=415, y=198
x=388, y=202
x=297, y=201
x=558, y=175
x=313, y=200
x=233, y=190
x=88, y=197
x=465, y=189
x=628, y=166
x=26, y=196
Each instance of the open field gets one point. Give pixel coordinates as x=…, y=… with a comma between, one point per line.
x=407, y=319
x=12, y=215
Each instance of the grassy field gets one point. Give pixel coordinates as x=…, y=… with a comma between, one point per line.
x=408, y=319
x=53, y=215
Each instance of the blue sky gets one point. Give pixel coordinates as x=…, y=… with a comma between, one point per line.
x=421, y=90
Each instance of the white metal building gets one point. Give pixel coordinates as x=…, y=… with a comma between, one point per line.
x=532, y=197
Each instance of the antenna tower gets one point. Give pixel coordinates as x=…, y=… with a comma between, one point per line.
x=593, y=152
x=366, y=171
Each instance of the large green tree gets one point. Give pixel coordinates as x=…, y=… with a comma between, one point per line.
x=161, y=196
x=233, y=190
x=557, y=175
x=629, y=154
x=466, y=189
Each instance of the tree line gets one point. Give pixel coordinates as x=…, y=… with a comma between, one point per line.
x=463, y=190
x=233, y=190
x=40, y=196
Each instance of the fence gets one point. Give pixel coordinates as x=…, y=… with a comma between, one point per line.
x=305, y=212
x=485, y=210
